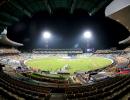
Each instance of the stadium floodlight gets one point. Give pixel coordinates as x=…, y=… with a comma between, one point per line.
x=87, y=34
x=46, y=34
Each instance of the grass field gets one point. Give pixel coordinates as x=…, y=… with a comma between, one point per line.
x=78, y=64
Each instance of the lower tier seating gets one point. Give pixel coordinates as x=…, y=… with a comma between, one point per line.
x=106, y=89
x=22, y=89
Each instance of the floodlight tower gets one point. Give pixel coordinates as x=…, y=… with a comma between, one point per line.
x=87, y=35
x=46, y=35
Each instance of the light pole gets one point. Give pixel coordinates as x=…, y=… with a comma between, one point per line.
x=46, y=35
x=87, y=36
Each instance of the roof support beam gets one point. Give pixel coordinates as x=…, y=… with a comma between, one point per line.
x=102, y=4
x=48, y=6
x=5, y=23
x=73, y=6
x=20, y=8
x=3, y=2
x=25, y=5
x=5, y=40
x=2, y=27
x=9, y=16
x=125, y=41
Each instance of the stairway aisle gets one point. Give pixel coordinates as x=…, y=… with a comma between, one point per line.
x=57, y=96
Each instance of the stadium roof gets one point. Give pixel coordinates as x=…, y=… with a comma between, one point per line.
x=120, y=11
x=12, y=11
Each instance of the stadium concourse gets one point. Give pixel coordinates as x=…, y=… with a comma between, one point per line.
x=19, y=81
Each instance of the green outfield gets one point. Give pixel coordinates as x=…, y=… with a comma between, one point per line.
x=73, y=65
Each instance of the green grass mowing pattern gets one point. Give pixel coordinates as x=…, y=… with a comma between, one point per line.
x=78, y=64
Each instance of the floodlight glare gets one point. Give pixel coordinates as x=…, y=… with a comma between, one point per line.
x=46, y=35
x=87, y=34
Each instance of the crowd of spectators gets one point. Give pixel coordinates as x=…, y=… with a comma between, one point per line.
x=9, y=51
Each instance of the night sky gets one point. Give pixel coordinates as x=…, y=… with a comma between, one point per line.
x=67, y=30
